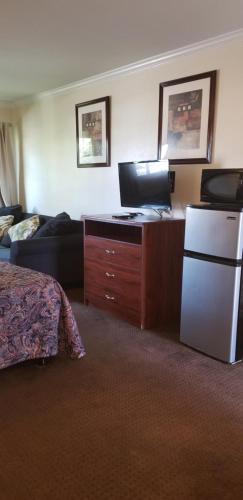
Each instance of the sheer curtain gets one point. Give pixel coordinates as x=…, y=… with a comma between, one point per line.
x=8, y=184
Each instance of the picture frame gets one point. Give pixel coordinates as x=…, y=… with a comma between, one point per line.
x=186, y=119
x=93, y=133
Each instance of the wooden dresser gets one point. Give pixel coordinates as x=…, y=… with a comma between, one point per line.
x=133, y=268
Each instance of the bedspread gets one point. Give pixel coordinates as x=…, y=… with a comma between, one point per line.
x=36, y=319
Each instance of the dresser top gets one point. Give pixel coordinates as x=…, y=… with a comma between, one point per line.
x=135, y=221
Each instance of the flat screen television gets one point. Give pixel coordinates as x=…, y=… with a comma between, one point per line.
x=145, y=184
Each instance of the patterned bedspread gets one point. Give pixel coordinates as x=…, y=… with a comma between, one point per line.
x=36, y=320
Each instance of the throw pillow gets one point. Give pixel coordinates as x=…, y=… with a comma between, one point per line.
x=56, y=227
x=24, y=229
x=6, y=241
x=6, y=222
x=15, y=210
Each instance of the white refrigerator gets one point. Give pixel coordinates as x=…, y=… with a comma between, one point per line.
x=212, y=290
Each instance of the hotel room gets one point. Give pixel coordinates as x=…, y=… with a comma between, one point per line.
x=137, y=414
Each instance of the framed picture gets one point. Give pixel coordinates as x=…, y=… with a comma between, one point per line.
x=93, y=133
x=186, y=117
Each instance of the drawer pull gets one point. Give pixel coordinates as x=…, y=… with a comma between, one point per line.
x=110, y=251
x=109, y=297
x=110, y=275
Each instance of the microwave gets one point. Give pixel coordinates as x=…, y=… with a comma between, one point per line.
x=222, y=185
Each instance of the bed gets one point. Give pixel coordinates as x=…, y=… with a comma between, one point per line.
x=36, y=319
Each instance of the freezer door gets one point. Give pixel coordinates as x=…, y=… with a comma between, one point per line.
x=209, y=312
x=214, y=232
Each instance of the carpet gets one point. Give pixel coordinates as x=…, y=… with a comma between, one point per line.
x=140, y=417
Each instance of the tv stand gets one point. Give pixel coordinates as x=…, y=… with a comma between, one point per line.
x=160, y=212
x=133, y=268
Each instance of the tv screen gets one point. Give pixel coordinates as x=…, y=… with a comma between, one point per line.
x=145, y=184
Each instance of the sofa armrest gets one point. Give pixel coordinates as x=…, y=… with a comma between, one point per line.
x=59, y=256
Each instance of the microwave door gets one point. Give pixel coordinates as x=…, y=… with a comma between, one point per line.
x=214, y=232
x=222, y=186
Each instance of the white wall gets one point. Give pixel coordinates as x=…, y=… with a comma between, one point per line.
x=51, y=180
x=6, y=112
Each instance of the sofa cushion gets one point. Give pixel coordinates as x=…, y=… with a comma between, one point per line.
x=6, y=222
x=15, y=210
x=4, y=253
x=24, y=229
x=56, y=227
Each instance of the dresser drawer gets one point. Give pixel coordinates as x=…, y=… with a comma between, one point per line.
x=114, y=303
x=112, y=276
x=113, y=252
x=111, y=297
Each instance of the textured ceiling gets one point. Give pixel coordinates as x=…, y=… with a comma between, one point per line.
x=48, y=44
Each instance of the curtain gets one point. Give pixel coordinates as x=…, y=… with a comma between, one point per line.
x=8, y=184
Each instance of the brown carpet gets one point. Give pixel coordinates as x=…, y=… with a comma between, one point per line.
x=140, y=417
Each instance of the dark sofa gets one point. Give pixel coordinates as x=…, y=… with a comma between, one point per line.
x=60, y=255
